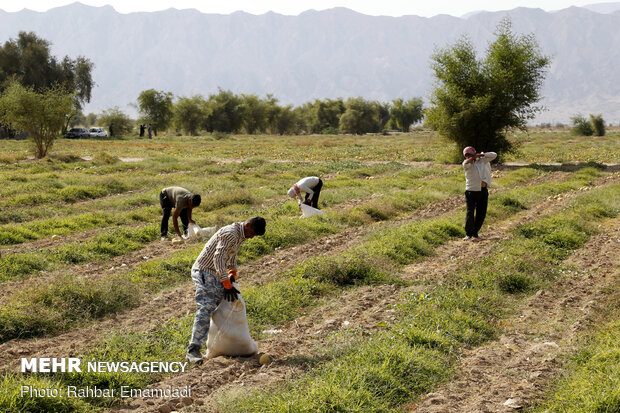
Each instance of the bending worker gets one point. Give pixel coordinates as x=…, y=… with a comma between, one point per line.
x=183, y=202
x=311, y=185
x=213, y=273
x=477, y=181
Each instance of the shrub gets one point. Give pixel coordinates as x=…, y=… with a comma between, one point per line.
x=581, y=126
x=598, y=124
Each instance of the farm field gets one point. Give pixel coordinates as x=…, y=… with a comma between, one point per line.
x=377, y=306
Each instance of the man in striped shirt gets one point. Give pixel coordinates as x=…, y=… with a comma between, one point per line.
x=213, y=273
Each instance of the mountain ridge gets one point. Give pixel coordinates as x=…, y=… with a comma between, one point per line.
x=319, y=54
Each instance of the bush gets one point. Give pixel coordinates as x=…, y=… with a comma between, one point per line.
x=122, y=123
x=598, y=124
x=581, y=126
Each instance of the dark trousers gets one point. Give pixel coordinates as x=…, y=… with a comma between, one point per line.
x=166, y=207
x=476, y=210
x=314, y=203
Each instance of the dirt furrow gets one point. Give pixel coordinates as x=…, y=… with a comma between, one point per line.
x=508, y=374
x=179, y=301
x=362, y=308
x=117, y=265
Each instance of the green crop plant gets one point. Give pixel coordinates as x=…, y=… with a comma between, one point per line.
x=384, y=370
x=593, y=381
x=113, y=243
x=52, y=308
x=13, y=400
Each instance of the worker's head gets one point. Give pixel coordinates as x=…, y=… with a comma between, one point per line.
x=254, y=226
x=293, y=192
x=469, y=151
x=196, y=200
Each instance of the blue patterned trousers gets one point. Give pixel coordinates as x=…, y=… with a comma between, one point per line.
x=209, y=294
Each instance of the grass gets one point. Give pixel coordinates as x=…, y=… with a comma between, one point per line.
x=387, y=370
x=592, y=381
x=431, y=329
x=12, y=400
x=400, y=245
x=111, y=244
x=66, y=195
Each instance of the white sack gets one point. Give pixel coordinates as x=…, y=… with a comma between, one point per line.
x=206, y=233
x=308, y=211
x=193, y=231
x=229, y=334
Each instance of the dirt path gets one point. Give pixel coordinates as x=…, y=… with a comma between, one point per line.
x=508, y=374
x=305, y=336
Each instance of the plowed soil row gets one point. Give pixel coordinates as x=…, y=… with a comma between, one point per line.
x=305, y=336
x=510, y=373
x=178, y=301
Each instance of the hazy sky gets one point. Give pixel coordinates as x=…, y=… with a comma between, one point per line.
x=424, y=8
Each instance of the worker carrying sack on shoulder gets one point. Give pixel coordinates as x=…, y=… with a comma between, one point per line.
x=229, y=334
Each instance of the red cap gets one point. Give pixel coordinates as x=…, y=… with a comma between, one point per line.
x=469, y=150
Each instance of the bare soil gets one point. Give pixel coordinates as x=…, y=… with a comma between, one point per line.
x=510, y=373
x=366, y=308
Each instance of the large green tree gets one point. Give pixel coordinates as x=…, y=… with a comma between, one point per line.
x=28, y=60
x=404, y=114
x=224, y=112
x=40, y=113
x=155, y=107
x=360, y=116
x=123, y=124
x=323, y=116
x=475, y=102
x=254, y=112
x=189, y=114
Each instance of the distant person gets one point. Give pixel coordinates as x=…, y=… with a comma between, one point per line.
x=150, y=129
x=142, y=129
x=311, y=185
x=111, y=129
x=477, y=183
x=213, y=273
x=183, y=201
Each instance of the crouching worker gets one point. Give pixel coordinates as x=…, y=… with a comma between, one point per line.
x=213, y=273
x=311, y=185
x=183, y=202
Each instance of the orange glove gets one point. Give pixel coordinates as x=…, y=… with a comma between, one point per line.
x=230, y=292
x=233, y=274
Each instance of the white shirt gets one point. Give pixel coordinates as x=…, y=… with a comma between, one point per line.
x=478, y=171
x=305, y=185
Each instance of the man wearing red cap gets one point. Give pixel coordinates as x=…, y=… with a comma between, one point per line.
x=477, y=181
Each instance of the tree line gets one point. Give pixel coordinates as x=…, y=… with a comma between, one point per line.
x=232, y=113
x=475, y=101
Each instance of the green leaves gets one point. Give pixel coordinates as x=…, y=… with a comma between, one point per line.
x=477, y=100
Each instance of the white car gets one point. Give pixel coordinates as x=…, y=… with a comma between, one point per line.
x=97, y=133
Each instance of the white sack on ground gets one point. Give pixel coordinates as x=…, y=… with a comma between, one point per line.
x=194, y=232
x=206, y=233
x=308, y=211
x=229, y=334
